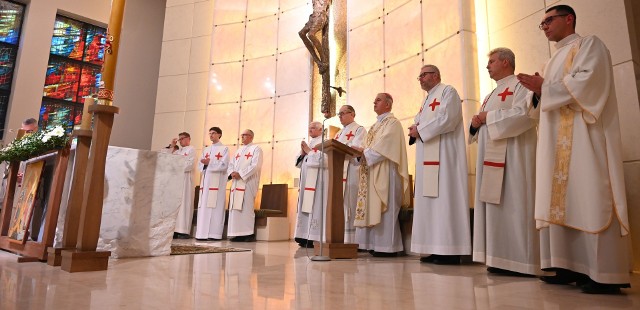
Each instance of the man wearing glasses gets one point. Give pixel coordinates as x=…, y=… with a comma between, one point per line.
x=211, y=207
x=441, y=205
x=580, y=202
x=185, y=212
x=244, y=171
x=352, y=134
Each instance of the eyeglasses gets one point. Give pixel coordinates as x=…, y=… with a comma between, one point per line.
x=182, y=138
x=423, y=74
x=245, y=134
x=547, y=21
x=344, y=113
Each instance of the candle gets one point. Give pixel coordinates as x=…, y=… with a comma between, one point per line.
x=86, y=116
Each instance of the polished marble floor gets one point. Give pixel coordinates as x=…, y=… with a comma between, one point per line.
x=279, y=275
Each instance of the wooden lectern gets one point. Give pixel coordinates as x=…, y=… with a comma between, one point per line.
x=335, y=246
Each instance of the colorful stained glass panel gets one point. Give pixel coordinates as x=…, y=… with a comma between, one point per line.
x=54, y=113
x=89, y=82
x=94, y=50
x=10, y=21
x=7, y=61
x=61, y=81
x=68, y=38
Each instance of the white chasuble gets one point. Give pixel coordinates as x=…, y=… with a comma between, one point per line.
x=431, y=154
x=211, y=206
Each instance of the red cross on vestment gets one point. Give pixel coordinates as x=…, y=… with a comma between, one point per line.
x=505, y=93
x=206, y=156
x=237, y=156
x=248, y=155
x=218, y=156
x=349, y=135
x=434, y=104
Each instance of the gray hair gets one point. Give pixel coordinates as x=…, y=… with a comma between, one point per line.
x=434, y=68
x=504, y=54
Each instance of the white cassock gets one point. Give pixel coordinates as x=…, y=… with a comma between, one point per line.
x=213, y=187
x=351, y=135
x=441, y=205
x=185, y=212
x=311, y=192
x=504, y=231
x=384, y=188
x=247, y=161
x=581, y=207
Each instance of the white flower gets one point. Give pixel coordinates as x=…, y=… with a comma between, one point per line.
x=46, y=138
x=58, y=131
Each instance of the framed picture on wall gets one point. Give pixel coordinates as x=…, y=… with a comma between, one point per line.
x=23, y=203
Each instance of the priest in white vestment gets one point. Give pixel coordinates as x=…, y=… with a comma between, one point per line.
x=384, y=183
x=211, y=208
x=441, y=205
x=309, y=197
x=505, y=237
x=244, y=173
x=352, y=134
x=580, y=202
x=185, y=212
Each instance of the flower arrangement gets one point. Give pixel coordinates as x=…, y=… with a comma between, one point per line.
x=35, y=144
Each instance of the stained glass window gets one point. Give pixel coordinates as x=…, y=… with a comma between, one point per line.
x=73, y=73
x=11, y=16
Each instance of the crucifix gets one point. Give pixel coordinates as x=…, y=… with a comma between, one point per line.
x=319, y=22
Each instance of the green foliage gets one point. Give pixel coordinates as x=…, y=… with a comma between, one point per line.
x=35, y=144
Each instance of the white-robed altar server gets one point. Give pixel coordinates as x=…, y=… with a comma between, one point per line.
x=185, y=212
x=309, y=194
x=383, y=185
x=441, y=203
x=504, y=232
x=581, y=207
x=244, y=171
x=352, y=134
x=211, y=208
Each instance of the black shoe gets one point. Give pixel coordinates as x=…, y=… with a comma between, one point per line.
x=446, y=260
x=428, y=259
x=362, y=250
x=198, y=239
x=383, y=254
x=214, y=239
x=565, y=276
x=505, y=272
x=181, y=236
x=593, y=287
x=304, y=243
x=247, y=238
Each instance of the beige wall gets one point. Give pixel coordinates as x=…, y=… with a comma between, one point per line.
x=136, y=75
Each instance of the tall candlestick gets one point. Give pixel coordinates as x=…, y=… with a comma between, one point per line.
x=105, y=94
x=86, y=116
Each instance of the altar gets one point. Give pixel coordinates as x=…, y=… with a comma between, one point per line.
x=142, y=193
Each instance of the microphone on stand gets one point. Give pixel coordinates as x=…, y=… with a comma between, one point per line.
x=320, y=257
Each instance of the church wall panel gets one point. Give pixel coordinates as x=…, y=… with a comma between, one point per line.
x=197, y=91
x=366, y=48
x=361, y=12
x=178, y=22
x=293, y=72
x=286, y=5
x=284, y=166
x=267, y=166
x=225, y=82
x=291, y=113
x=228, y=44
x=402, y=83
x=261, y=8
x=261, y=37
x=258, y=78
x=166, y=126
x=193, y=123
x=629, y=113
x=172, y=93
x=441, y=20
x=175, y=57
x=199, y=56
x=257, y=115
x=362, y=92
x=171, y=3
x=292, y=20
x=224, y=116
x=391, y=5
x=448, y=57
x=229, y=11
x=202, y=18
x=504, y=13
x=401, y=28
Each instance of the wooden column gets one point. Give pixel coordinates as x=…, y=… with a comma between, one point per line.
x=76, y=191
x=335, y=246
x=85, y=257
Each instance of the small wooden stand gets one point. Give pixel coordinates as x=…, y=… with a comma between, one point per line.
x=74, y=204
x=32, y=250
x=85, y=257
x=335, y=246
